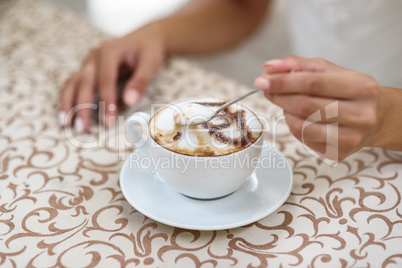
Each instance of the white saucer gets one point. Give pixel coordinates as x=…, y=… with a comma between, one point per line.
x=264, y=192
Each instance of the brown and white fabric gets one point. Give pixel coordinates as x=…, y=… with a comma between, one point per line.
x=61, y=204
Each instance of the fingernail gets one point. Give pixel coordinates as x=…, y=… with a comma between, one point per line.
x=78, y=125
x=131, y=97
x=110, y=120
x=262, y=83
x=62, y=118
x=272, y=62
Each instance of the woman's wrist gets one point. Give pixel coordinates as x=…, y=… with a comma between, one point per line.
x=166, y=31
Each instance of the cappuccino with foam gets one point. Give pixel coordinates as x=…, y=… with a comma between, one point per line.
x=232, y=130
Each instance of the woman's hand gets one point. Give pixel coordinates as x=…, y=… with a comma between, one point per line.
x=140, y=54
x=200, y=27
x=333, y=110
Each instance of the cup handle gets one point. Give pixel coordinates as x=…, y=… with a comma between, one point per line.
x=140, y=139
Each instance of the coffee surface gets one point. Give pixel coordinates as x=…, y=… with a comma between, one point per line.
x=233, y=129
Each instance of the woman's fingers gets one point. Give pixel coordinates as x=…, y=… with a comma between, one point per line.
x=310, y=131
x=299, y=64
x=76, y=94
x=84, y=99
x=108, y=63
x=348, y=85
x=138, y=55
x=358, y=113
x=332, y=140
x=146, y=68
x=66, y=100
x=327, y=107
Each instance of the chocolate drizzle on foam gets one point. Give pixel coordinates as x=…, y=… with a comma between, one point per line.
x=237, y=118
x=216, y=129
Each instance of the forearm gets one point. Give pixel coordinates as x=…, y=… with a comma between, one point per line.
x=210, y=25
x=389, y=133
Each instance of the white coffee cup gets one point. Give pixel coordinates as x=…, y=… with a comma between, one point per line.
x=202, y=177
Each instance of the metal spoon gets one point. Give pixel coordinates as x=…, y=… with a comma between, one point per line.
x=203, y=121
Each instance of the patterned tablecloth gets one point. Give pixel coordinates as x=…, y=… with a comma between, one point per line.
x=61, y=203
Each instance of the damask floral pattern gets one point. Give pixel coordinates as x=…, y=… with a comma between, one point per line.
x=61, y=204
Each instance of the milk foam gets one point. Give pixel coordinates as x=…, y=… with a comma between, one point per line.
x=193, y=113
x=232, y=130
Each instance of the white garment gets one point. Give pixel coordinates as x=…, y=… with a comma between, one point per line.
x=363, y=35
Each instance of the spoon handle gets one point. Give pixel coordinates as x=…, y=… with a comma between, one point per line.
x=236, y=100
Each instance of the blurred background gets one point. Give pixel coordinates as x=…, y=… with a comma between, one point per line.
x=241, y=63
